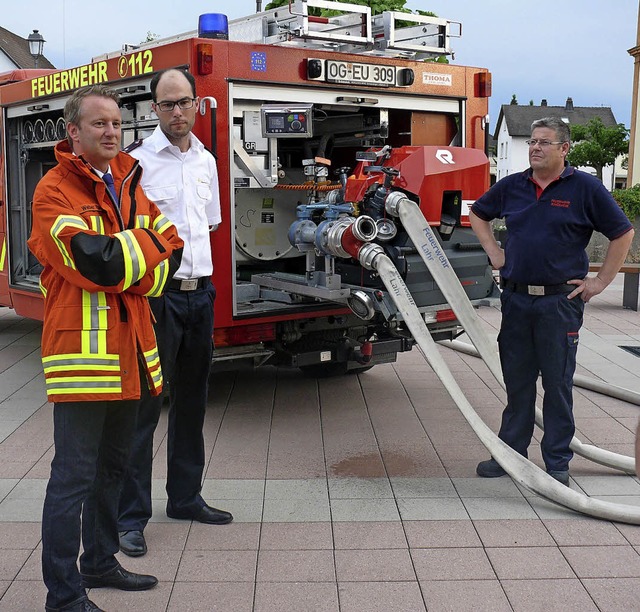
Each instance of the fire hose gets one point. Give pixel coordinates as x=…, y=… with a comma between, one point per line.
x=438, y=265
x=372, y=256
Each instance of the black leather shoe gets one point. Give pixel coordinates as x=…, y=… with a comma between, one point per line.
x=206, y=514
x=132, y=543
x=86, y=605
x=562, y=476
x=120, y=578
x=489, y=469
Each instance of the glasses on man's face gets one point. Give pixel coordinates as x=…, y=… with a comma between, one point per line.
x=543, y=143
x=184, y=104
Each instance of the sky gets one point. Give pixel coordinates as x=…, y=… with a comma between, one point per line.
x=549, y=49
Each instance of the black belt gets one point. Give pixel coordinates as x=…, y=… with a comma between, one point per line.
x=189, y=284
x=537, y=289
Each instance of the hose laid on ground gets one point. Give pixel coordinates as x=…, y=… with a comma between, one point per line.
x=519, y=468
x=584, y=382
x=434, y=257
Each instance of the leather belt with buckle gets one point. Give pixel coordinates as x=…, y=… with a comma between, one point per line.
x=187, y=284
x=562, y=288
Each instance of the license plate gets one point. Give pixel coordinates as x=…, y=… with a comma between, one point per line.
x=356, y=73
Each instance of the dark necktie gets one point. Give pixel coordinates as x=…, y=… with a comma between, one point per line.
x=108, y=179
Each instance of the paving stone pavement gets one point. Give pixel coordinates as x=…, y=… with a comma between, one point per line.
x=352, y=494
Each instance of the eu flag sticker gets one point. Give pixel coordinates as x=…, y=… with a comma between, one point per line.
x=259, y=61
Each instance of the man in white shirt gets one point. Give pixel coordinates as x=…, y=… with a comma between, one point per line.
x=180, y=176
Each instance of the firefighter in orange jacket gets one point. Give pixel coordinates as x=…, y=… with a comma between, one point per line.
x=104, y=247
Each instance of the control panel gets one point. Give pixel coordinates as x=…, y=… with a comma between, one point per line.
x=286, y=121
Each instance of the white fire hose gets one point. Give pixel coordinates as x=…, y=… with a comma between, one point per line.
x=519, y=468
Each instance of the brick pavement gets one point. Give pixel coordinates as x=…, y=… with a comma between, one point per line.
x=353, y=494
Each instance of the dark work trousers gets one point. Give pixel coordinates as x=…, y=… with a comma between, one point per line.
x=184, y=330
x=92, y=445
x=539, y=335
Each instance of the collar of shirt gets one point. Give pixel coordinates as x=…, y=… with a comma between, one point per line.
x=159, y=141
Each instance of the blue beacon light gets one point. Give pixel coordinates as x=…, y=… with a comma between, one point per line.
x=213, y=25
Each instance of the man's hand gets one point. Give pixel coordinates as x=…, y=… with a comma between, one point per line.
x=587, y=287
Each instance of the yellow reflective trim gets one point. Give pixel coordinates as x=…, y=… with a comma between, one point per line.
x=98, y=361
x=94, y=323
x=143, y=221
x=85, y=390
x=160, y=278
x=58, y=226
x=68, y=379
x=3, y=253
x=161, y=224
x=97, y=224
x=135, y=266
x=81, y=368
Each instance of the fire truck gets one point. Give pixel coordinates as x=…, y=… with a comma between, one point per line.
x=312, y=120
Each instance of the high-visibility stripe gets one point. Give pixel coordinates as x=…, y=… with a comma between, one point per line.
x=94, y=323
x=79, y=385
x=161, y=224
x=160, y=278
x=143, y=221
x=56, y=229
x=3, y=253
x=97, y=224
x=134, y=262
x=43, y=289
x=80, y=361
x=152, y=359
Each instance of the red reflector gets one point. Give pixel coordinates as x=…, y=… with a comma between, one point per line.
x=482, y=84
x=245, y=334
x=445, y=315
x=204, y=54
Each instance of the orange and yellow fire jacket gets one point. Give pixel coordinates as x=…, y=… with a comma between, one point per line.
x=100, y=261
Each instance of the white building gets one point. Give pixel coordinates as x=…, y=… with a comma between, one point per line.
x=14, y=53
x=514, y=128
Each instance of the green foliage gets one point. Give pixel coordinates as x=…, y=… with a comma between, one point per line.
x=629, y=201
x=596, y=145
x=151, y=36
x=377, y=7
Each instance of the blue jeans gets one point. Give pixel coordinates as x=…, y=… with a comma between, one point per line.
x=184, y=330
x=92, y=445
x=539, y=336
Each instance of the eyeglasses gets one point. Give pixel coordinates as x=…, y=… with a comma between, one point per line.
x=183, y=104
x=543, y=143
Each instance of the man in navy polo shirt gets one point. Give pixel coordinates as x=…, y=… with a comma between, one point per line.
x=550, y=211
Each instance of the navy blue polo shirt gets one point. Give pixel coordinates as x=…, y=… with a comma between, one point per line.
x=548, y=231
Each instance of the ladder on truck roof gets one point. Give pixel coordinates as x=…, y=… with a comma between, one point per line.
x=353, y=30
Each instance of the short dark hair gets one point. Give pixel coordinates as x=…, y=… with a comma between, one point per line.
x=74, y=103
x=560, y=127
x=187, y=75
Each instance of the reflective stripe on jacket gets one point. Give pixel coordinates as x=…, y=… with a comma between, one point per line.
x=100, y=262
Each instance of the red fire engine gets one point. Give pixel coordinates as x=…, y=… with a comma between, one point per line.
x=310, y=119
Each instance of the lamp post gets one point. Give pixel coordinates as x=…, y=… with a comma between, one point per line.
x=36, y=44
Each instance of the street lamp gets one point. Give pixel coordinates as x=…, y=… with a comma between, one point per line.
x=36, y=44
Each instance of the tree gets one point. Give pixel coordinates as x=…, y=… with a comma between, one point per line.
x=597, y=145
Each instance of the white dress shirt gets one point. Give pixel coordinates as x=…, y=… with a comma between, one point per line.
x=185, y=188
